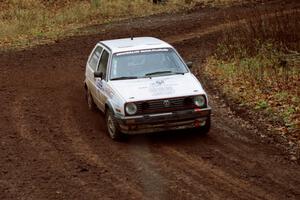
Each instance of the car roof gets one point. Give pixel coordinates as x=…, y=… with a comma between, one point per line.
x=136, y=43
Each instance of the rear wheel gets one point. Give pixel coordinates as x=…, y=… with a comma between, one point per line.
x=113, y=127
x=90, y=101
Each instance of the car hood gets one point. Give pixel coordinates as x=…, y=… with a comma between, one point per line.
x=157, y=87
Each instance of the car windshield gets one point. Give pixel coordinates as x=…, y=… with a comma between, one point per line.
x=146, y=63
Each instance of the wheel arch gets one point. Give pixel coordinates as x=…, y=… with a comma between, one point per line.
x=85, y=85
x=108, y=106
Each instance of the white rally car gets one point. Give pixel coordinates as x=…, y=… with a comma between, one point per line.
x=143, y=85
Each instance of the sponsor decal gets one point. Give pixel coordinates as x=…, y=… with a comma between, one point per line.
x=99, y=84
x=140, y=51
x=160, y=87
x=104, y=88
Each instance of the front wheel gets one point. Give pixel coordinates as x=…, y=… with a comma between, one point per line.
x=112, y=127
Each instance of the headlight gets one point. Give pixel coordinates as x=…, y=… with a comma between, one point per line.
x=131, y=108
x=199, y=101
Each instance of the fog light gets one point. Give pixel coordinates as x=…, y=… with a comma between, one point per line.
x=198, y=123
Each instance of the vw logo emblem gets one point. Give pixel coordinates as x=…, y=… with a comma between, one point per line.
x=166, y=103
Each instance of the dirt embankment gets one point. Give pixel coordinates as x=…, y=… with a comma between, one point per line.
x=53, y=147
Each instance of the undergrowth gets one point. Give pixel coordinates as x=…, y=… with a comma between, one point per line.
x=27, y=22
x=258, y=65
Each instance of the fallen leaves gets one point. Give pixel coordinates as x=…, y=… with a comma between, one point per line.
x=271, y=95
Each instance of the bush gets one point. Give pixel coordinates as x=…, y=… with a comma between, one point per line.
x=258, y=64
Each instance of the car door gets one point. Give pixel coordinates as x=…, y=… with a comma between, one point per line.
x=92, y=65
x=101, y=83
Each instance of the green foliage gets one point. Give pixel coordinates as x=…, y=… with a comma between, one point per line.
x=24, y=22
x=288, y=112
x=262, y=104
x=95, y=3
x=260, y=67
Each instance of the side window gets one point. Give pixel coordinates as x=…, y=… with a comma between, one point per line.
x=103, y=63
x=95, y=58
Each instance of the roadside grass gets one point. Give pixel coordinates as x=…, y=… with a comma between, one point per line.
x=258, y=66
x=26, y=23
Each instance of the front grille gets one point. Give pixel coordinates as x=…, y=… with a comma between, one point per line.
x=165, y=105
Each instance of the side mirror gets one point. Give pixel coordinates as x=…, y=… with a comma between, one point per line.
x=189, y=64
x=98, y=75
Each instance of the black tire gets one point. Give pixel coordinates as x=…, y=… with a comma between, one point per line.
x=90, y=101
x=112, y=127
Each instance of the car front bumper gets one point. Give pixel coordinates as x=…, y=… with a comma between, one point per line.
x=184, y=119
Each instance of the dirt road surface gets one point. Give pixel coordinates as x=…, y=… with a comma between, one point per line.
x=53, y=147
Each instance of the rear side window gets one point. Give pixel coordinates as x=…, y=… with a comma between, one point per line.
x=103, y=63
x=93, y=62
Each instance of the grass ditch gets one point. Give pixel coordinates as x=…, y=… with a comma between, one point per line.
x=26, y=23
x=258, y=66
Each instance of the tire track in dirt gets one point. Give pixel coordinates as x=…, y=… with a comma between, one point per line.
x=84, y=151
x=174, y=176
x=69, y=156
x=198, y=33
x=32, y=136
x=195, y=171
x=123, y=163
x=56, y=161
x=240, y=186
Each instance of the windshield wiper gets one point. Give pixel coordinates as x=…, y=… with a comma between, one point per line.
x=159, y=72
x=178, y=73
x=124, y=78
x=164, y=72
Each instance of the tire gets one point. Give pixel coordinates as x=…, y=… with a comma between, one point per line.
x=90, y=101
x=112, y=127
